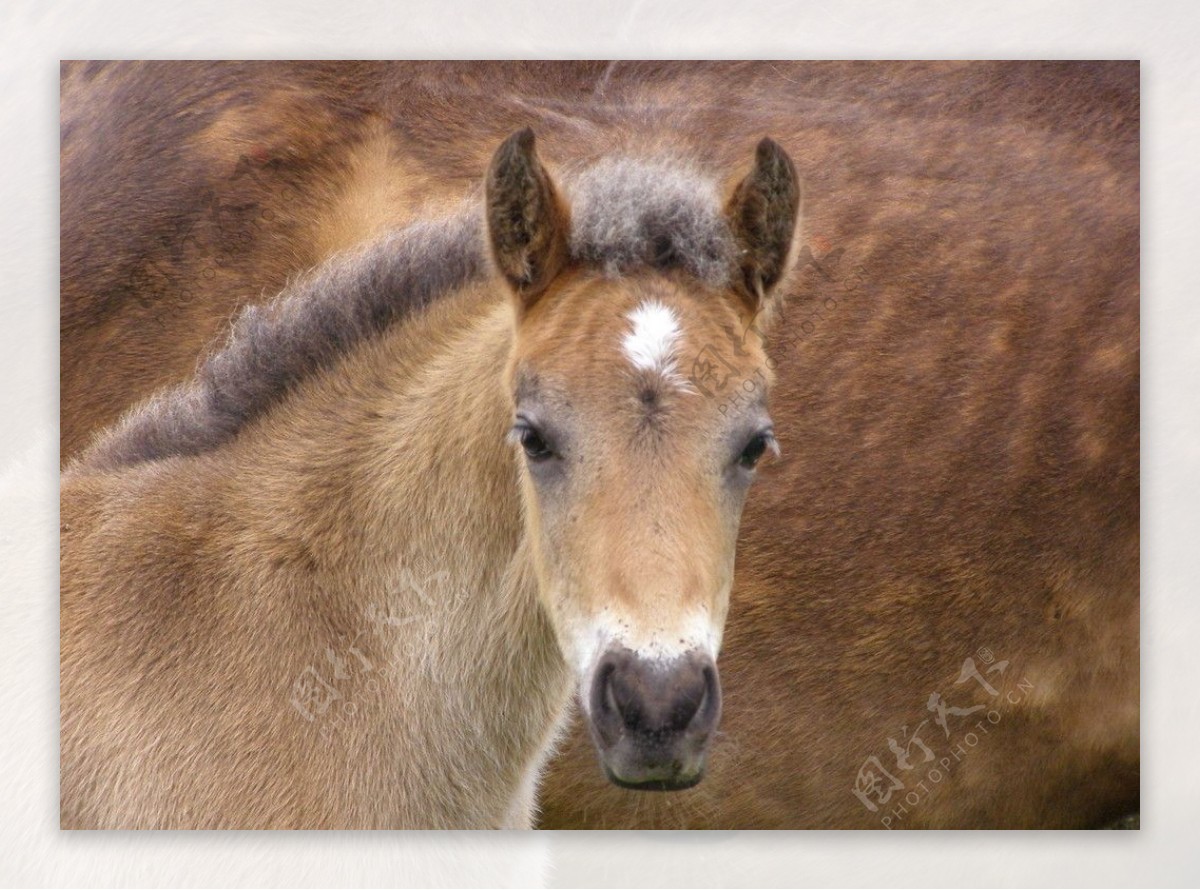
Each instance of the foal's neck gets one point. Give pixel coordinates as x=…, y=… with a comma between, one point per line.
x=377, y=510
x=408, y=506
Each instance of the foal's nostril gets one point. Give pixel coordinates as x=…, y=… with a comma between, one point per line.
x=610, y=700
x=688, y=703
x=710, y=710
x=620, y=699
x=607, y=718
x=605, y=702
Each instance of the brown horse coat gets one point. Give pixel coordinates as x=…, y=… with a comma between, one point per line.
x=957, y=396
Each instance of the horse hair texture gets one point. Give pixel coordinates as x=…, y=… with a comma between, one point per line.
x=626, y=214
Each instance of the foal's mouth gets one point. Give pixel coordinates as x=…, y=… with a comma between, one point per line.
x=676, y=783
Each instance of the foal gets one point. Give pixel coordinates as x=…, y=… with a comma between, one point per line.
x=350, y=574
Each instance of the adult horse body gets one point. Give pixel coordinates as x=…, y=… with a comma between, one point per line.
x=934, y=617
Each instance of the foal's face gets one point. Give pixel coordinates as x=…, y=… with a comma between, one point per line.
x=639, y=418
x=634, y=480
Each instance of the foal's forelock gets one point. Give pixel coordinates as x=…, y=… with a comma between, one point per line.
x=632, y=213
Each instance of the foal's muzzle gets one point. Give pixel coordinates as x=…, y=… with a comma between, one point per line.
x=652, y=720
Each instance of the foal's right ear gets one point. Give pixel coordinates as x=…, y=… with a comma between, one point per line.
x=528, y=224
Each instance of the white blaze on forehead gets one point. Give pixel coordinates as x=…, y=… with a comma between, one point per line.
x=653, y=342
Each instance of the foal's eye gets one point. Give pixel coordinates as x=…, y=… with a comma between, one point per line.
x=535, y=446
x=755, y=449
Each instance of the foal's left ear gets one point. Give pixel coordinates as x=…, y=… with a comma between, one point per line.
x=763, y=214
x=528, y=223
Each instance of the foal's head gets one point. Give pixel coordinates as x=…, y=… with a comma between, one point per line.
x=639, y=415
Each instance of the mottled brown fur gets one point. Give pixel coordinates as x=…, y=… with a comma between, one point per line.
x=957, y=395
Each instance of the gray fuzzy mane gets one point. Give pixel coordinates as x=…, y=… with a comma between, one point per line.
x=626, y=215
x=658, y=214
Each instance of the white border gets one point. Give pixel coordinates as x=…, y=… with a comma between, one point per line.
x=36, y=34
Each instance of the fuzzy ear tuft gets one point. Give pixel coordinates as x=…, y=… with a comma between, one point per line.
x=528, y=224
x=763, y=214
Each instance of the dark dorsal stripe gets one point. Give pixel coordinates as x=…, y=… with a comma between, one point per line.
x=309, y=327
